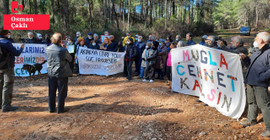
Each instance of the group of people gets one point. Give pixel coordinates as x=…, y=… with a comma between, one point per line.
x=152, y=58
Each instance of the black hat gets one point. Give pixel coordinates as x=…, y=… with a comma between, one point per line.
x=3, y=32
x=155, y=43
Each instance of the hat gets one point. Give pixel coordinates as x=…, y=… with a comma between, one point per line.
x=204, y=36
x=3, y=32
x=155, y=43
x=89, y=33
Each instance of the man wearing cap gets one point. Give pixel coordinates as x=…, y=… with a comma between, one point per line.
x=88, y=39
x=7, y=63
x=203, y=42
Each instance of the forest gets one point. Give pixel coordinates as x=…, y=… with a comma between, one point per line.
x=160, y=17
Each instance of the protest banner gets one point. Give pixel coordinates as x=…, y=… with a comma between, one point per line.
x=215, y=76
x=71, y=48
x=32, y=54
x=100, y=62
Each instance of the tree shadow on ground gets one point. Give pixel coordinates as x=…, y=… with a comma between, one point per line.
x=118, y=107
x=127, y=109
x=44, y=99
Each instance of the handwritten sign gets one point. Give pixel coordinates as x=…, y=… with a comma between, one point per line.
x=215, y=76
x=100, y=62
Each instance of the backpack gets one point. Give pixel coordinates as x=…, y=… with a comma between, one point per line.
x=3, y=57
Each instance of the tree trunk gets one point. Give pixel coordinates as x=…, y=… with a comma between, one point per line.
x=90, y=13
x=35, y=7
x=110, y=10
x=124, y=10
x=105, y=12
x=146, y=13
x=151, y=12
x=189, y=14
x=192, y=17
x=66, y=14
x=166, y=1
x=173, y=8
x=142, y=3
x=53, y=11
x=116, y=18
x=23, y=3
x=5, y=7
x=257, y=13
x=185, y=14
x=30, y=6
x=129, y=10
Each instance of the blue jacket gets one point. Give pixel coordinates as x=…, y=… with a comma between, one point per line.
x=140, y=48
x=88, y=41
x=258, y=73
x=33, y=40
x=95, y=47
x=10, y=50
x=189, y=43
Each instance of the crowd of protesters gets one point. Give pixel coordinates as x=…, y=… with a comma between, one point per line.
x=152, y=59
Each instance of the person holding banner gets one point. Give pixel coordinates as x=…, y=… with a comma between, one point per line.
x=96, y=39
x=88, y=39
x=58, y=60
x=238, y=47
x=114, y=45
x=106, y=44
x=94, y=45
x=203, y=40
x=257, y=80
x=7, y=63
x=169, y=64
x=131, y=53
x=211, y=42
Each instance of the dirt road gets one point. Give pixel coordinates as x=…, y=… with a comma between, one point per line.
x=115, y=109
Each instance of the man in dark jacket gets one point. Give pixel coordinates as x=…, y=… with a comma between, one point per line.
x=58, y=60
x=113, y=45
x=257, y=80
x=131, y=53
x=88, y=40
x=31, y=38
x=140, y=45
x=238, y=47
x=7, y=63
x=210, y=42
x=189, y=37
x=222, y=45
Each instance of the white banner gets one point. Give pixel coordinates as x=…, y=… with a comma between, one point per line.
x=215, y=76
x=32, y=54
x=100, y=62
